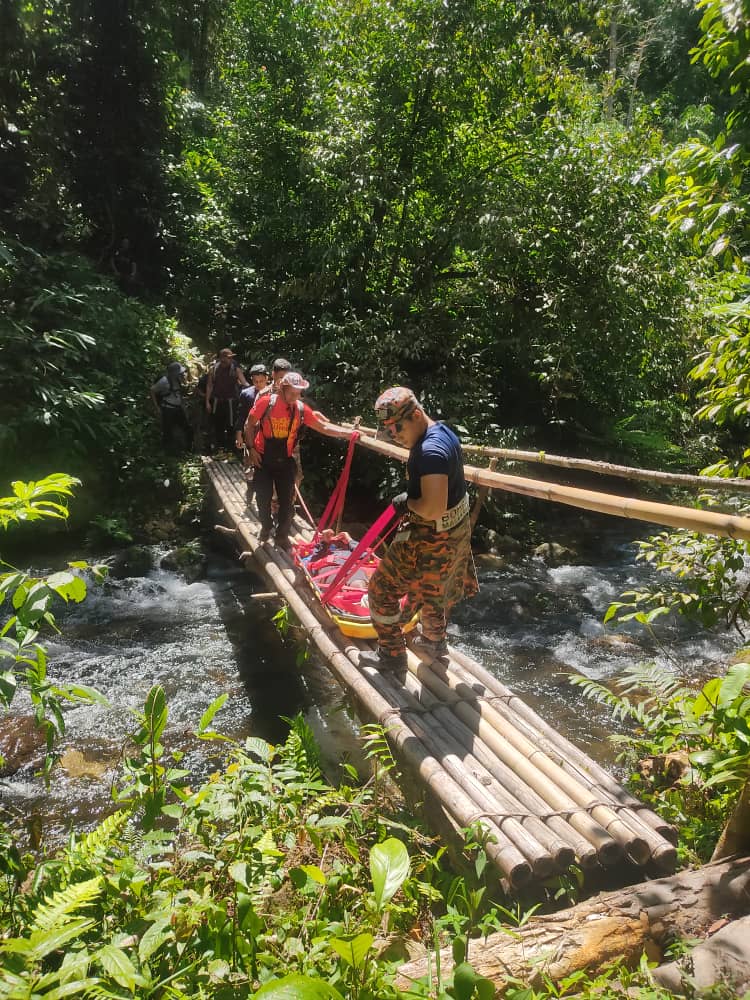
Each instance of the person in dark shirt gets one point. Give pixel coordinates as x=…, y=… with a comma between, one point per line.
x=430, y=560
x=259, y=381
x=167, y=397
x=225, y=380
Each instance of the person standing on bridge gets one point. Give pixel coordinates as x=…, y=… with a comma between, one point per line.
x=272, y=428
x=430, y=560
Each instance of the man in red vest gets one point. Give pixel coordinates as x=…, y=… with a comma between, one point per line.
x=271, y=432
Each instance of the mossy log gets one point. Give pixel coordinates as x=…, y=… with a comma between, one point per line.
x=606, y=928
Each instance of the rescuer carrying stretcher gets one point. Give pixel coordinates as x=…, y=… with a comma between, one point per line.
x=430, y=558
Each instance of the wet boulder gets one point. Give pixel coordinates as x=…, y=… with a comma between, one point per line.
x=22, y=743
x=554, y=554
x=136, y=560
x=187, y=560
x=502, y=545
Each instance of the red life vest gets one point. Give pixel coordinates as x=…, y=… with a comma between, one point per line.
x=270, y=423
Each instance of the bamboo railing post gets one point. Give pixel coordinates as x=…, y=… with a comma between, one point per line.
x=482, y=493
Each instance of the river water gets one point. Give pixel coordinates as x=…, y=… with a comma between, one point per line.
x=531, y=624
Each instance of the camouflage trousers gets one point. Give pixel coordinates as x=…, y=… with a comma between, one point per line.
x=433, y=569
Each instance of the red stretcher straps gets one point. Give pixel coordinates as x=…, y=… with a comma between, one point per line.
x=358, y=554
x=335, y=504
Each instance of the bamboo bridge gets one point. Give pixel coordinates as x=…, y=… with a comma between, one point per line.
x=483, y=757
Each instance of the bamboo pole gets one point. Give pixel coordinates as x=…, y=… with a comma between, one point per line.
x=464, y=770
x=560, y=840
x=707, y=522
x=570, y=755
x=661, y=852
x=439, y=737
x=530, y=763
x=522, y=770
x=482, y=493
x=727, y=485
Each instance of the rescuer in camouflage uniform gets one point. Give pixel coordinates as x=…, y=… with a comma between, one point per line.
x=430, y=560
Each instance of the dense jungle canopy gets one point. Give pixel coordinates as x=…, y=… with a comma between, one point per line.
x=531, y=212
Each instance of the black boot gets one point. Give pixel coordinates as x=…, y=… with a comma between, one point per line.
x=435, y=649
x=383, y=661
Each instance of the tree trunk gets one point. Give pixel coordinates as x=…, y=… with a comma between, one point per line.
x=611, y=926
x=735, y=837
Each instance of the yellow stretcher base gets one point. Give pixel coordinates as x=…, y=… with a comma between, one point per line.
x=364, y=629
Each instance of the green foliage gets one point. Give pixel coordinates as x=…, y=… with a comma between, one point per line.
x=31, y=501
x=79, y=359
x=263, y=881
x=703, y=580
x=23, y=660
x=616, y=982
x=710, y=727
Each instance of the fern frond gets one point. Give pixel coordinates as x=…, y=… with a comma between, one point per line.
x=301, y=748
x=377, y=746
x=594, y=691
x=658, y=683
x=64, y=904
x=94, y=845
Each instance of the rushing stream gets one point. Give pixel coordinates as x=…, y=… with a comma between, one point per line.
x=531, y=624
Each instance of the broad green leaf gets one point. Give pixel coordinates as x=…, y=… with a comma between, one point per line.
x=389, y=867
x=353, y=951
x=238, y=871
x=297, y=987
x=154, y=937
x=315, y=873
x=731, y=686
x=211, y=711
x=464, y=980
x=116, y=963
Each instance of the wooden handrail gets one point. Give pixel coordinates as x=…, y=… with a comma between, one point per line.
x=721, y=484
x=706, y=522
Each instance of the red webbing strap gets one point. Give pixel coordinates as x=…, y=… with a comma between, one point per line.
x=369, y=537
x=336, y=501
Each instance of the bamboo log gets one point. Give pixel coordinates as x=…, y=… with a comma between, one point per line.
x=530, y=763
x=570, y=755
x=601, y=930
x=559, y=839
x=707, y=522
x=727, y=485
x=609, y=851
x=482, y=493
x=662, y=852
x=474, y=779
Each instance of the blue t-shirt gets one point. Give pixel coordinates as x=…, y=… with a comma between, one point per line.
x=247, y=401
x=437, y=453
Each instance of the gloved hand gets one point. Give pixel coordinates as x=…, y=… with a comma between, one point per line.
x=400, y=504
